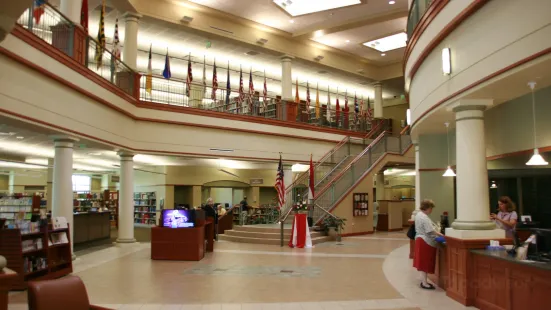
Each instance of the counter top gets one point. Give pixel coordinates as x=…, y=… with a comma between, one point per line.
x=99, y=212
x=502, y=255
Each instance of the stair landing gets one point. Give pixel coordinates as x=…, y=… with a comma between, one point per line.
x=266, y=234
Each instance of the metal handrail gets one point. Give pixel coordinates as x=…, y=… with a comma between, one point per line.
x=282, y=223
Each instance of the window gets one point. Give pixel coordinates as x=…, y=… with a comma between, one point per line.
x=81, y=183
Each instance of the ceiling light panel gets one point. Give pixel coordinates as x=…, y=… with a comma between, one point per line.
x=301, y=7
x=389, y=43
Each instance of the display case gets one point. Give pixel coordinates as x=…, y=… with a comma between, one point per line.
x=360, y=203
x=145, y=208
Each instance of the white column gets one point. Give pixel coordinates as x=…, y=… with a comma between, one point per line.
x=126, y=199
x=130, y=47
x=417, y=179
x=49, y=183
x=286, y=78
x=62, y=183
x=378, y=106
x=71, y=9
x=473, y=202
x=380, y=186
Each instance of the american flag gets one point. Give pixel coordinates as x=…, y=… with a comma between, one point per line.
x=214, y=82
x=265, y=93
x=362, y=108
x=280, y=185
x=39, y=9
x=241, y=97
x=251, y=91
x=356, y=109
x=116, y=41
x=189, y=78
x=308, y=100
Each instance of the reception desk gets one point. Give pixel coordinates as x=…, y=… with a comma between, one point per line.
x=91, y=226
x=187, y=244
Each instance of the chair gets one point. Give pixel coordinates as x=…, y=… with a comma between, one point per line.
x=65, y=293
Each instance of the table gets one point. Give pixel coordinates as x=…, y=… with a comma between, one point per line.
x=300, y=233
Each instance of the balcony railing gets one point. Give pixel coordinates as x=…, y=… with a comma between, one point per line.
x=58, y=31
x=416, y=12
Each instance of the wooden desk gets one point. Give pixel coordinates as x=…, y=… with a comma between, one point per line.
x=7, y=277
x=91, y=226
x=178, y=243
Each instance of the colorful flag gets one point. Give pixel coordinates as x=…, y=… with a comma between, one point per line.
x=149, y=76
x=280, y=185
x=362, y=108
x=337, y=109
x=100, y=47
x=241, y=97
x=166, y=72
x=204, y=76
x=228, y=89
x=265, y=93
x=214, y=82
x=369, y=114
x=251, y=91
x=39, y=8
x=345, y=110
x=356, y=109
x=308, y=100
x=84, y=16
x=116, y=40
x=189, y=78
x=328, y=114
x=297, y=98
x=318, y=101
x=311, y=183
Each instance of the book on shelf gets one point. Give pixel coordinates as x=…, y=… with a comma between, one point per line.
x=59, y=238
x=32, y=264
x=31, y=245
x=59, y=223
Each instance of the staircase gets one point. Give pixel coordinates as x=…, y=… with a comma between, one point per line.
x=338, y=186
x=265, y=234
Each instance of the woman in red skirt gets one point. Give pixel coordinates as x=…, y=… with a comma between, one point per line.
x=425, y=244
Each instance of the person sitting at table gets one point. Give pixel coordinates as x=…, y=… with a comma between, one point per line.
x=506, y=218
x=425, y=243
x=221, y=210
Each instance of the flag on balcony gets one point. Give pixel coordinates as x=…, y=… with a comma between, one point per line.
x=84, y=16
x=297, y=98
x=39, y=7
x=116, y=41
x=204, y=77
x=100, y=47
x=228, y=89
x=214, y=82
x=149, y=76
x=308, y=100
x=338, y=109
x=251, y=91
x=362, y=108
x=369, y=112
x=265, y=94
x=318, y=101
x=311, y=183
x=356, y=109
x=345, y=110
x=241, y=97
x=280, y=185
x=189, y=78
x=328, y=113
x=166, y=71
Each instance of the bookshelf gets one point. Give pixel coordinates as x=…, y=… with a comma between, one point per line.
x=145, y=208
x=39, y=253
x=12, y=205
x=84, y=201
x=111, y=199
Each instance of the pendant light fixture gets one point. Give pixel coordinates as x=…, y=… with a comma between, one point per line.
x=449, y=172
x=536, y=159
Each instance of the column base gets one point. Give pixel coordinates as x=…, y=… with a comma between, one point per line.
x=132, y=240
x=475, y=234
x=473, y=225
x=73, y=256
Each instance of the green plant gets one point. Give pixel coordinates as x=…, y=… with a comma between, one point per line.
x=335, y=222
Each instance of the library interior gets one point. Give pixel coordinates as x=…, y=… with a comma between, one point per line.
x=275, y=154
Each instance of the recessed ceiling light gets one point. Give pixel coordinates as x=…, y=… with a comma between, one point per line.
x=292, y=21
x=389, y=43
x=301, y=7
x=383, y=54
x=347, y=41
x=20, y=137
x=391, y=2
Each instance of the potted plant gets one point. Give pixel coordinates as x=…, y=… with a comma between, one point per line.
x=333, y=226
x=300, y=206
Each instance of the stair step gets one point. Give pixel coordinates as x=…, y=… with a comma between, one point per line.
x=315, y=240
x=266, y=235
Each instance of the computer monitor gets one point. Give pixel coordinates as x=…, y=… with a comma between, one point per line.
x=543, y=240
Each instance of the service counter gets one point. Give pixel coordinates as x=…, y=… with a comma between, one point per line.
x=187, y=244
x=91, y=226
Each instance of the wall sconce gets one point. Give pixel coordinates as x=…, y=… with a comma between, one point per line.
x=446, y=61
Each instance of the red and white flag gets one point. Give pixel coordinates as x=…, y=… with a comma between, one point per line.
x=280, y=185
x=189, y=78
x=311, y=184
x=241, y=96
x=251, y=91
x=214, y=82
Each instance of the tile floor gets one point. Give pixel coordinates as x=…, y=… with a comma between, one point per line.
x=367, y=272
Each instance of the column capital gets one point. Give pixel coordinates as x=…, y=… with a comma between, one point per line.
x=287, y=57
x=64, y=140
x=133, y=16
x=126, y=155
x=470, y=105
x=377, y=84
